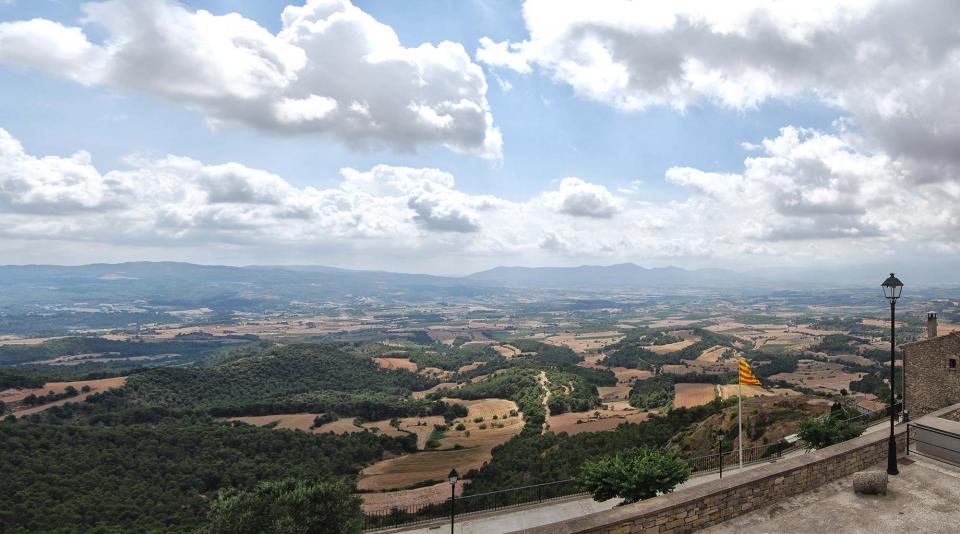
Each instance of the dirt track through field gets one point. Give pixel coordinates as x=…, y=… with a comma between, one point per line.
x=545, y=384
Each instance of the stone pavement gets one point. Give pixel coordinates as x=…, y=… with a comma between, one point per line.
x=922, y=498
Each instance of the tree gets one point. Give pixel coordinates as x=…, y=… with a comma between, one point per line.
x=634, y=475
x=826, y=431
x=287, y=506
x=3, y=407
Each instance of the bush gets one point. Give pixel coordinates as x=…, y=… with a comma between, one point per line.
x=634, y=475
x=478, y=419
x=287, y=506
x=823, y=432
x=482, y=426
x=460, y=426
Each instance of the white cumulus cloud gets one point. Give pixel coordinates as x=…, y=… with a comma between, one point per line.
x=892, y=65
x=332, y=69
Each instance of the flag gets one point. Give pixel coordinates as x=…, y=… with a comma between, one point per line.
x=746, y=374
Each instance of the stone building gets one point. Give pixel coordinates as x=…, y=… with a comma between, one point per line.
x=931, y=377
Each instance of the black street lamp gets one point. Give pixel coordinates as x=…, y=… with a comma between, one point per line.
x=453, y=495
x=720, y=450
x=891, y=289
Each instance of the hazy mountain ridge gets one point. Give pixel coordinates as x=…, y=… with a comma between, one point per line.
x=628, y=275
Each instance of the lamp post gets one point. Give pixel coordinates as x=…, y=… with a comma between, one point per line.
x=453, y=495
x=891, y=290
x=720, y=450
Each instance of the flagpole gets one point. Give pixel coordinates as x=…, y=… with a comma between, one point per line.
x=740, y=419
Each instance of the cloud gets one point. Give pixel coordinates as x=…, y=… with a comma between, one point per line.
x=892, y=65
x=810, y=185
x=583, y=199
x=332, y=69
x=804, y=195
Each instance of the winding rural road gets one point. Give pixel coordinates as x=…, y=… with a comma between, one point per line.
x=545, y=384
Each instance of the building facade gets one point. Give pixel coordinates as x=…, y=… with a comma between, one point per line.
x=930, y=368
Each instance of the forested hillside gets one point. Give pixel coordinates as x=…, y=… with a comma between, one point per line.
x=138, y=478
x=151, y=455
x=274, y=373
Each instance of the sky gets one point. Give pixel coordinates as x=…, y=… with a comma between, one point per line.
x=451, y=136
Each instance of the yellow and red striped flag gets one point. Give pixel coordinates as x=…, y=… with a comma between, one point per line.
x=746, y=374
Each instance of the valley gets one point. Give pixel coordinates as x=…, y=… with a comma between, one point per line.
x=389, y=397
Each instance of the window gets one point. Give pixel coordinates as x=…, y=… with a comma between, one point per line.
x=952, y=364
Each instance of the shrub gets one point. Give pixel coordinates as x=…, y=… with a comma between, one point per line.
x=483, y=426
x=286, y=507
x=634, y=475
x=823, y=432
x=478, y=419
x=460, y=426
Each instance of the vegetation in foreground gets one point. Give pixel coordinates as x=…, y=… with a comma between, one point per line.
x=288, y=506
x=633, y=475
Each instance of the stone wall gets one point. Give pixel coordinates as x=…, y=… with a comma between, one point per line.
x=930, y=383
x=719, y=500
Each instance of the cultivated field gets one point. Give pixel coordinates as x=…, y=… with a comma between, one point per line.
x=17, y=340
x=690, y=395
x=441, y=385
x=292, y=421
x=671, y=347
x=713, y=354
x=421, y=426
x=411, y=469
x=821, y=376
x=344, y=425
x=577, y=422
x=434, y=372
x=627, y=376
x=470, y=367
x=438, y=492
x=14, y=397
x=396, y=363
x=593, y=361
x=585, y=341
x=507, y=351
x=612, y=393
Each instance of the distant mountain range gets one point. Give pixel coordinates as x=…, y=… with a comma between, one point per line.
x=186, y=285
x=624, y=275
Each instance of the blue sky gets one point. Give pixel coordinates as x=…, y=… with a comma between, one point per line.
x=651, y=122
x=548, y=132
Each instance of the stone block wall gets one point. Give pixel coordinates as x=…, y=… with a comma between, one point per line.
x=717, y=501
x=930, y=382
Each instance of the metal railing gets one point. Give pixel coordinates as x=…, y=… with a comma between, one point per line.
x=702, y=465
x=869, y=417
x=395, y=516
